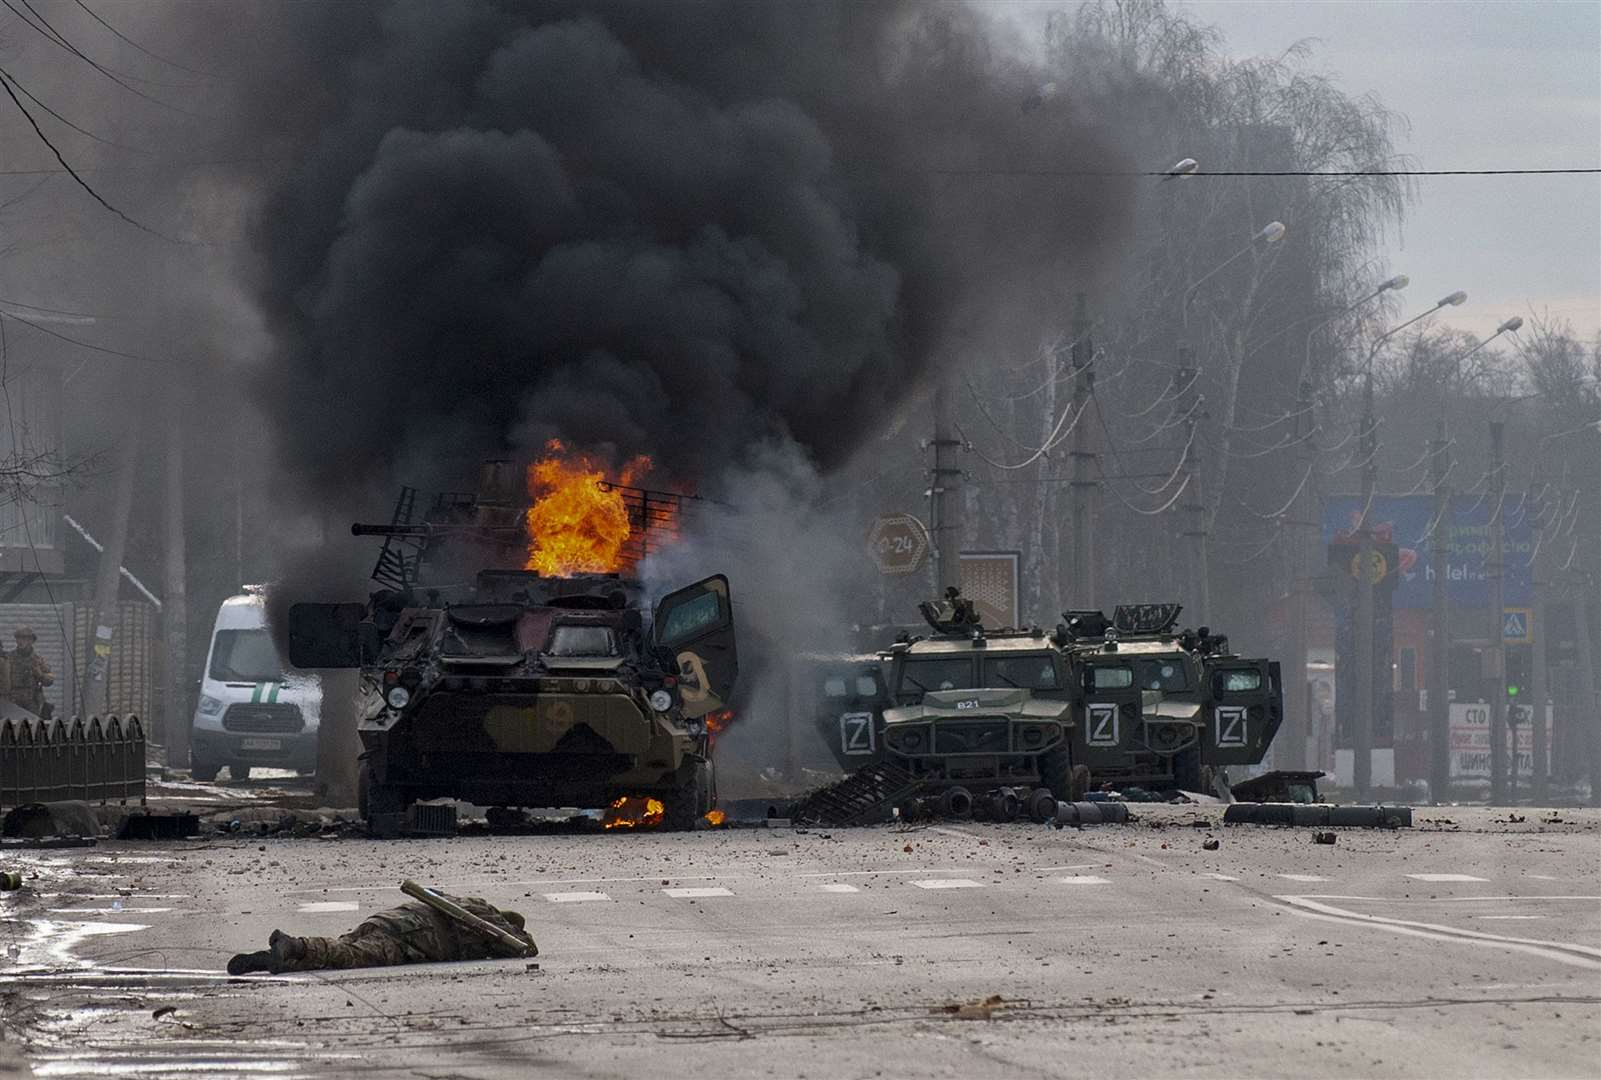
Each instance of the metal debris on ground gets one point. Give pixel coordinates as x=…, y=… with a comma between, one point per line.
x=972, y=1010
x=1323, y=838
x=865, y=797
x=10, y=881
x=148, y=826
x=1211, y=843
x=1282, y=785
x=1318, y=815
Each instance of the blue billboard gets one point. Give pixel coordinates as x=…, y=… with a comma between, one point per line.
x=1408, y=522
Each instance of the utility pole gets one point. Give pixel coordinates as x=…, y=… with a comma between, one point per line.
x=1086, y=487
x=1539, y=767
x=945, y=494
x=1439, y=681
x=1189, y=406
x=175, y=610
x=1298, y=711
x=1362, y=729
x=108, y=573
x=1497, y=648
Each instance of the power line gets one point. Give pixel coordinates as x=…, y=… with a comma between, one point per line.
x=80, y=130
x=5, y=81
x=120, y=36
x=1042, y=172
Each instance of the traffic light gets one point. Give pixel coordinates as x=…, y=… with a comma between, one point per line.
x=1519, y=666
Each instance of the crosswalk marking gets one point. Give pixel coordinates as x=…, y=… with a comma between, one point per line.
x=1222, y=877
x=1445, y=877
x=693, y=894
x=948, y=883
x=329, y=905
x=575, y=897
x=1302, y=877
x=839, y=887
x=1083, y=879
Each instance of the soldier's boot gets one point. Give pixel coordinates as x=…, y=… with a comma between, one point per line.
x=245, y=963
x=285, y=949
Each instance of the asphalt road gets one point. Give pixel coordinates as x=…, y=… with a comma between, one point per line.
x=1468, y=949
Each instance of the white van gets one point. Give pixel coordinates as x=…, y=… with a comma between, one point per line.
x=252, y=710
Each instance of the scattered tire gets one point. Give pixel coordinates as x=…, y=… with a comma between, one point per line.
x=1041, y=805
x=956, y=803
x=1005, y=805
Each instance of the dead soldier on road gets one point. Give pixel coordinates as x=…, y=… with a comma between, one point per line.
x=436, y=928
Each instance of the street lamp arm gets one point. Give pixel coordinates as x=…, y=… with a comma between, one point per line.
x=1452, y=300
x=1271, y=232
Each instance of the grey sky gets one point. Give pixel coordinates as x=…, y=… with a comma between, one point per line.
x=1484, y=85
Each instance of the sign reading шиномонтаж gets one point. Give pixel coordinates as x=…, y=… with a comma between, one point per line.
x=1470, y=739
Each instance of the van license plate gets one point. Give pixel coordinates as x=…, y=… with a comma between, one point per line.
x=261, y=744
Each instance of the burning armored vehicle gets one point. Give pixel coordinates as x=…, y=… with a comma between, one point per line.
x=525, y=690
x=1125, y=700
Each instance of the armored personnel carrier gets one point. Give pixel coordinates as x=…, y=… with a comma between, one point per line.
x=1138, y=702
x=1163, y=708
x=523, y=690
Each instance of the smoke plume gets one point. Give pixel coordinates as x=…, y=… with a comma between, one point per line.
x=680, y=229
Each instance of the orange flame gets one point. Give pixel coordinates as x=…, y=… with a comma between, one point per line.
x=577, y=525
x=634, y=812
x=715, y=818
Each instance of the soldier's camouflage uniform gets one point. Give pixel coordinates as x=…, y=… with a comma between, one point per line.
x=412, y=933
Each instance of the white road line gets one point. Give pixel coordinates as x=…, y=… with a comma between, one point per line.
x=691, y=894
x=1075, y=866
x=1082, y=879
x=1302, y=877
x=837, y=887
x=329, y=905
x=1222, y=877
x=575, y=897
x=1507, y=917
x=1445, y=877
x=875, y=873
x=1311, y=907
x=948, y=883
x=108, y=910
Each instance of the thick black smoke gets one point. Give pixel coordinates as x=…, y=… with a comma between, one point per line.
x=683, y=229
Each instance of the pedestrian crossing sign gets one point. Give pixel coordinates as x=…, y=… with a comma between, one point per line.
x=1516, y=624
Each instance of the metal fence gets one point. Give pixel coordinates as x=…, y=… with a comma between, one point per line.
x=50, y=760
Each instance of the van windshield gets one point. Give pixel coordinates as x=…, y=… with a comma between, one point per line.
x=245, y=656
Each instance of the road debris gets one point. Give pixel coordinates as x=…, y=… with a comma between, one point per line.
x=972, y=1010
x=1323, y=837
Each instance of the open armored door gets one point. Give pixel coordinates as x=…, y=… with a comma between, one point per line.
x=697, y=624
x=1245, y=705
x=1107, y=715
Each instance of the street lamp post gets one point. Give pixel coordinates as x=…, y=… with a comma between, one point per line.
x=1362, y=728
x=1439, y=680
x=1298, y=710
x=1196, y=533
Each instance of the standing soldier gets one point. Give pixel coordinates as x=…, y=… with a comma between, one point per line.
x=29, y=673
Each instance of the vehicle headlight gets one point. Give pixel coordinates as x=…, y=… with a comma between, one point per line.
x=398, y=697
x=661, y=700
x=210, y=706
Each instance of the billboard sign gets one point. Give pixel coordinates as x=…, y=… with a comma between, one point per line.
x=1470, y=740
x=1407, y=521
x=990, y=580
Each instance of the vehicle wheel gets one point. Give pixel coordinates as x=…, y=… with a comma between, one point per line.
x=1187, y=771
x=1056, y=774
x=202, y=770
x=1041, y=805
x=375, y=798
x=239, y=772
x=1005, y=805
x=1079, y=783
x=692, y=801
